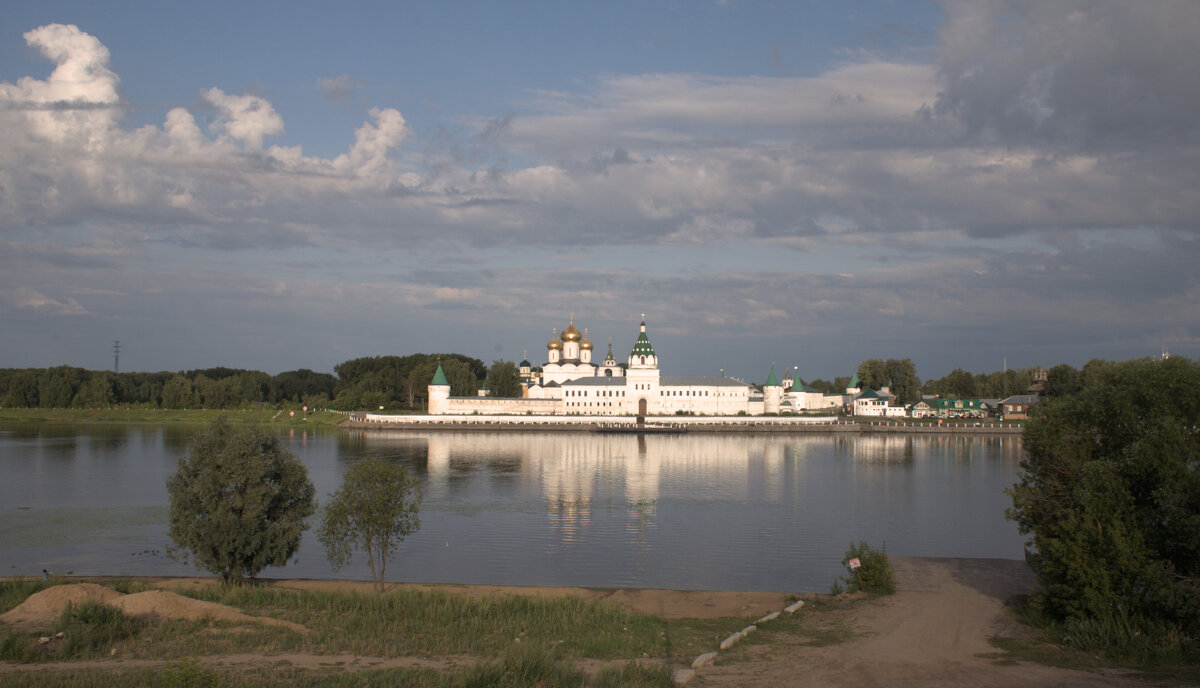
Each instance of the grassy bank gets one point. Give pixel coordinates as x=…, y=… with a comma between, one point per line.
x=183, y=416
x=453, y=640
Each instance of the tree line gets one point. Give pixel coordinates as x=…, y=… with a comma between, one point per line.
x=393, y=382
x=400, y=383
x=900, y=377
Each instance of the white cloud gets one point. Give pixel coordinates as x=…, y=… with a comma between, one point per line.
x=31, y=299
x=79, y=103
x=245, y=118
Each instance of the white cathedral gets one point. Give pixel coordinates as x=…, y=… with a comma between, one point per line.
x=571, y=384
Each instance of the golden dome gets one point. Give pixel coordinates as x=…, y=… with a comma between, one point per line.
x=586, y=343
x=571, y=334
x=554, y=343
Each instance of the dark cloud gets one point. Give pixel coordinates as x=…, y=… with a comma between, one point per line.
x=1077, y=74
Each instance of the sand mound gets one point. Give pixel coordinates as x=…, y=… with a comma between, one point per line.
x=48, y=605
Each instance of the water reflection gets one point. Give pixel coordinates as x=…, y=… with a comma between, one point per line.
x=735, y=511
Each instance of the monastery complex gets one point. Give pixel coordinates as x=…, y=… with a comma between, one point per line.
x=570, y=383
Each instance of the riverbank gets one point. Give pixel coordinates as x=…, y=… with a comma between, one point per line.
x=936, y=631
x=690, y=424
x=135, y=415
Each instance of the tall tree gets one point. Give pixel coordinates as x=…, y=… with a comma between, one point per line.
x=373, y=511
x=238, y=502
x=903, y=380
x=872, y=374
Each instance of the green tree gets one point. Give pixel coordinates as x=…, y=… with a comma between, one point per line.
x=504, y=380
x=872, y=374
x=178, y=393
x=239, y=501
x=463, y=382
x=373, y=511
x=903, y=380
x=1110, y=495
x=1061, y=380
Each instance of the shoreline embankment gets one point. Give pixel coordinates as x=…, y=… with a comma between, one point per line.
x=669, y=425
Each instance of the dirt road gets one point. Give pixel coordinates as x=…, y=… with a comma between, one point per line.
x=933, y=632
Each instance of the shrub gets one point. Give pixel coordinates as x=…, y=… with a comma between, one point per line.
x=91, y=627
x=875, y=573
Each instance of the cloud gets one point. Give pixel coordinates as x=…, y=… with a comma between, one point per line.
x=246, y=118
x=339, y=89
x=1076, y=74
x=1019, y=188
x=78, y=102
x=32, y=299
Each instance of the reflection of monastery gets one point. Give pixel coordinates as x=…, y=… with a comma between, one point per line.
x=571, y=384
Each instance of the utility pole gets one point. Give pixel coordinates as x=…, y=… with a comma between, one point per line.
x=117, y=356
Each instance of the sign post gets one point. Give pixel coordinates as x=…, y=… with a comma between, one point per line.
x=855, y=564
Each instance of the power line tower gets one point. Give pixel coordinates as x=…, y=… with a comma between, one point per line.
x=117, y=356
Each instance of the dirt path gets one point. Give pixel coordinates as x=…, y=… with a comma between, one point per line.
x=932, y=633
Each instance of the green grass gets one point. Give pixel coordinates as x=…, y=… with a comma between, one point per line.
x=507, y=641
x=14, y=591
x=1152, y=651
x=189, y=673
x=407, y=622
x=134, y=414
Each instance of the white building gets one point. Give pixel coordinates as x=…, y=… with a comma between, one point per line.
x=571, y=384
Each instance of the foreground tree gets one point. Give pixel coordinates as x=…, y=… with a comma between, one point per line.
x=1111, y=497
x=239, y=501
x=373, y=511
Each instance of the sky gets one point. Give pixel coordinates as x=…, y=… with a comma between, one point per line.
x=968, y=184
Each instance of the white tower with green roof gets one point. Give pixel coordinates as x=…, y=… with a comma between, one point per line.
x=642, y=375
x=439, y=393
x=772, y=393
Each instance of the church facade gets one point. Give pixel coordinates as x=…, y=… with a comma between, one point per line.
x=570, y=383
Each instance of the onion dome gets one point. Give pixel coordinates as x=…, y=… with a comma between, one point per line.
x=571, y=334
x=586, y=344
x=554, y=343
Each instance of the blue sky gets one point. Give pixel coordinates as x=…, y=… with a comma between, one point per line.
x=284, y=185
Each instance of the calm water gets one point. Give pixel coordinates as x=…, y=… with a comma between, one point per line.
x=732, y=512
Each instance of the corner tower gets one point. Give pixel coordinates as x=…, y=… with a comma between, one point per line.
x=439, y=393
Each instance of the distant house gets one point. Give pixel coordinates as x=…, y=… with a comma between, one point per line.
x=872, y=403
x=1017, y=406
x=959, y=408
x=922, y=409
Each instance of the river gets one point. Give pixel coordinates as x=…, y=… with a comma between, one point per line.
x=700, y=511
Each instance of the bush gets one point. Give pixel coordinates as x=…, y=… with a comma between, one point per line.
x=875, y=573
